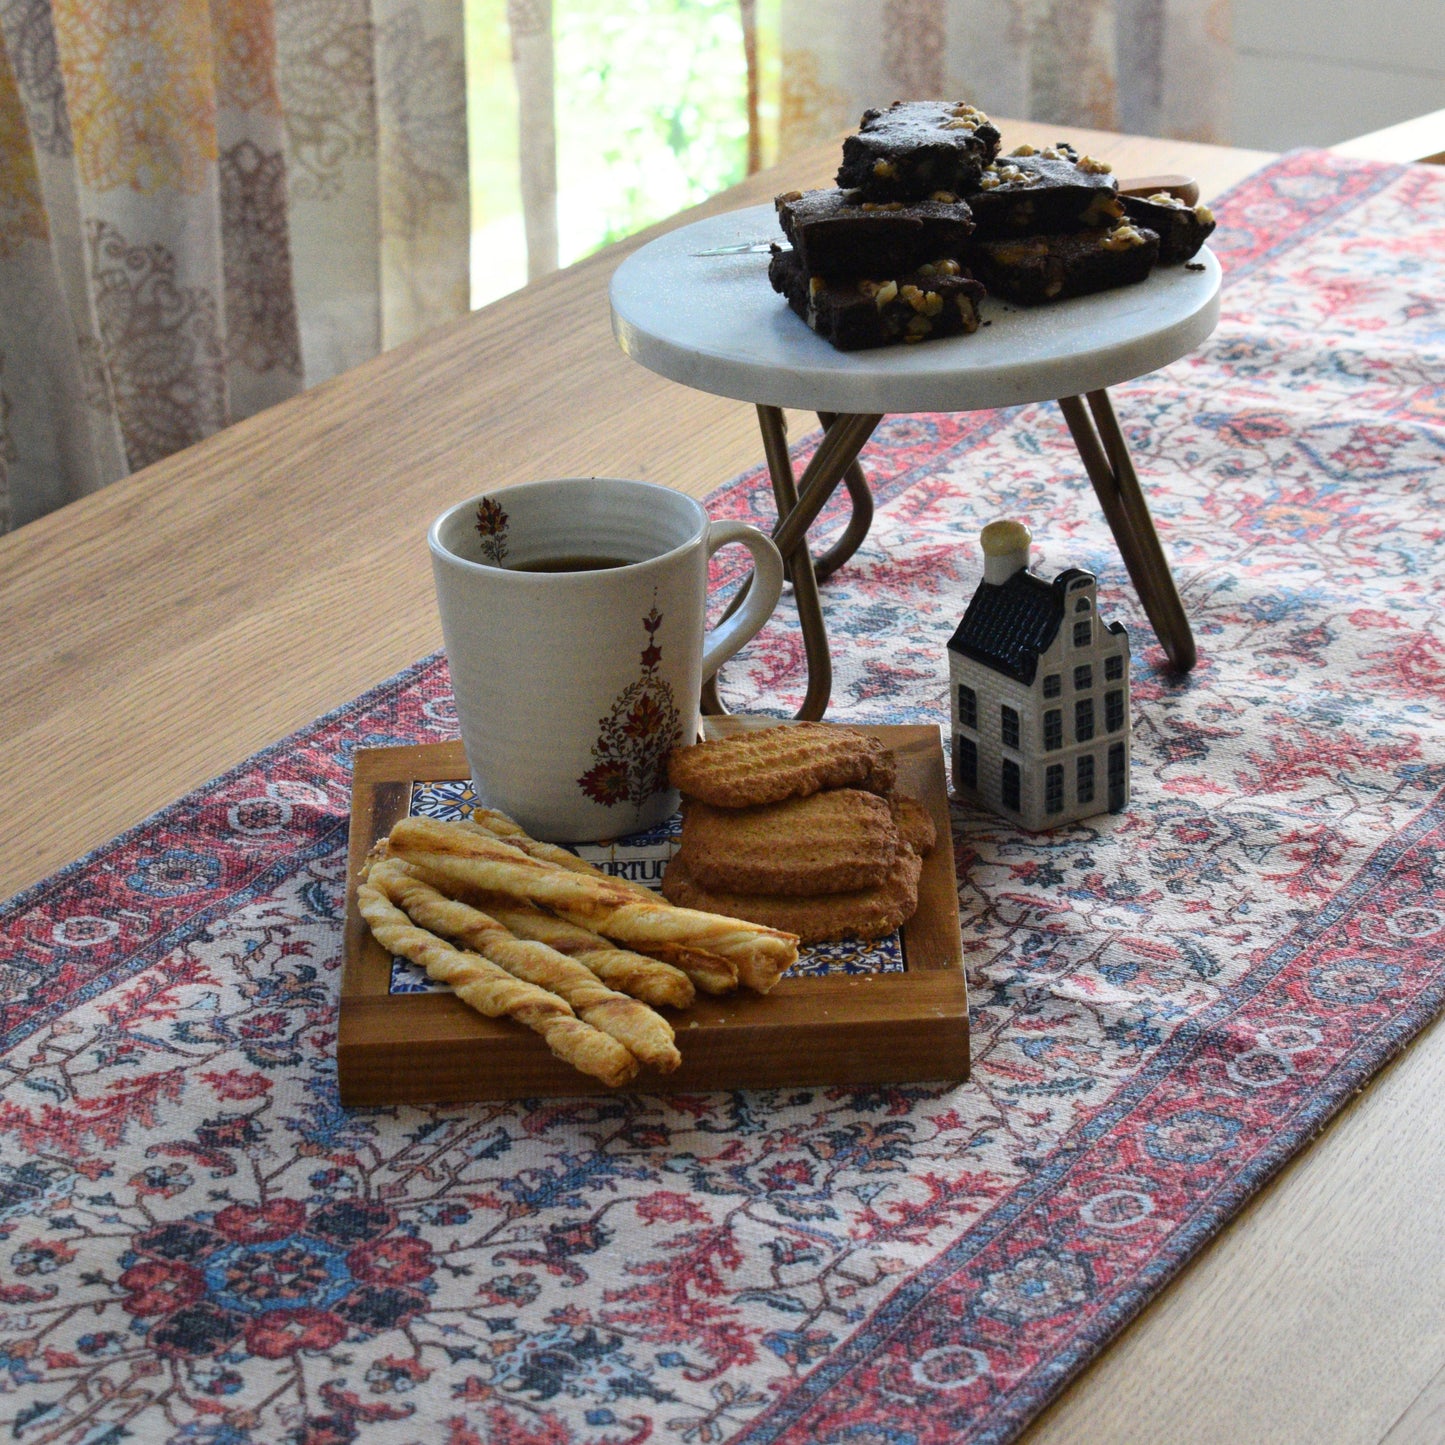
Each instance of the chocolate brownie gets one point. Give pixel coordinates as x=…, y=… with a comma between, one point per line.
x=939, y=299
x=1032, y=191
x=837, y=235
x=1035, y=269
x=1182, y=228
x=916, y=147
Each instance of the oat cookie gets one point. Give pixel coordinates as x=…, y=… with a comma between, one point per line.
x=831, y=842
x=882, y=772
x=868, y=913
x=914, y=823
x=789, y=761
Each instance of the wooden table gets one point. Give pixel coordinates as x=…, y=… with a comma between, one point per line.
x=162, y=630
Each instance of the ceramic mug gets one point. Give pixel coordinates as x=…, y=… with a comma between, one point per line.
x=574, y=617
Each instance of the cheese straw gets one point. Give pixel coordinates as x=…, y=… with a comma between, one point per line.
x=494, y=992
x=708, y=972
x=650, y=979
x=644, y=1033
x=499, y=825
x=704, y=968
x=465, y=857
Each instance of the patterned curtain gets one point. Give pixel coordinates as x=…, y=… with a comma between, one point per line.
x=1151, y=67
x=205, y=205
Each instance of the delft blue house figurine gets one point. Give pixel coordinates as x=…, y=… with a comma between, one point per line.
x=1040, y=692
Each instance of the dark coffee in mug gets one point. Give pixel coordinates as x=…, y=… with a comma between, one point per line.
x=572, y=563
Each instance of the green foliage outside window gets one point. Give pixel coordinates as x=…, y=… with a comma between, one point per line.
x=651, y=112
x=651, y=115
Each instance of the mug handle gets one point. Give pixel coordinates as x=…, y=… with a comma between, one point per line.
x=764, y=588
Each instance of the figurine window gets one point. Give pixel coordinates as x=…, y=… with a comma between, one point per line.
x=1054, y=788
x=1083, y=677
x=1084, y=778
x=1083, y=719
x=1116, y=776
x=1114, y=667
x=1053, y=729
x=1053, y=685
x=1008, y=726
x=965, y=763
x=1083, y=634
x=1082, y=605
x=967, y=707
x=1012, y=786
x=1114, y=710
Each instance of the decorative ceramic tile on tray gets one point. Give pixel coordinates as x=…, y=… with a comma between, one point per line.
x=640, y=859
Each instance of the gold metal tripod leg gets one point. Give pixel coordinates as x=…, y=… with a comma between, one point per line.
x=836, y=453
x=859, y=521
x=1105, y=455
x=799, y=503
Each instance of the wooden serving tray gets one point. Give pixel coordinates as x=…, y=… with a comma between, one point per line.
x=875, y=1028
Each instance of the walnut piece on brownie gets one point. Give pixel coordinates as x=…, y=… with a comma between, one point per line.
x=788, y=761
x=937, y=300
x=916, y=147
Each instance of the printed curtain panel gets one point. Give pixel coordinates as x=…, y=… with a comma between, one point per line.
x=1151, y=67
x=205, y=206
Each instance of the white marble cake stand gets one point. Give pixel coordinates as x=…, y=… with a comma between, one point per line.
x=712, y=321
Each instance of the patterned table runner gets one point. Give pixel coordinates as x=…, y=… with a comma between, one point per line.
x=199, y=1246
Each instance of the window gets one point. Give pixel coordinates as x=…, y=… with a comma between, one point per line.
x=1008, y=726
x=1114, y=709
x=1053, y=685
x=1083, y=677
x=638, y=135
x=1084, y=778
x=1053, y=729
x=1117, y=777
x=1083, y=719
x=1114, y=667
x=1012, y=786
x=1082, y=605
x=1054, y=788
x=967, y=707
x=965, y=762
x=1083, y=634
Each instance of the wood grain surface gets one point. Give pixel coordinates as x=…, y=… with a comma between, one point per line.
x=166, y=628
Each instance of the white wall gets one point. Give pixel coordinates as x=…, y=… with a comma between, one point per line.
x=1314, y=72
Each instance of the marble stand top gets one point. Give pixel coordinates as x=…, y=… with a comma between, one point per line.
x=714, y=323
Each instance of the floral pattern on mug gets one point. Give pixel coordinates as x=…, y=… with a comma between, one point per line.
x=492, y=527
x=637, y=735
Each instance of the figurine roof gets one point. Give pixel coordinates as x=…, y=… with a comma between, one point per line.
x=1008, y=624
